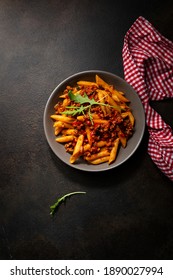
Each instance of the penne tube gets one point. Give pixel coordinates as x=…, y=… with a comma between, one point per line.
x=123, y=139
x=102, y=94
x=57, y=130
x=69, y=131
x=88, y=133
x=120, y=96
x=121, y=92
x=79, y=144
x=86, y=147
x=101, y=144
x=103, y=84
x=98, y=155
x=125, y=114
x=95, y=116
x=62, y=124
x=100, y=160
x=115, y=97
x=130, y=115
x=64, y=139
x=68, y=125
x=124, y=106
x=100, y=121
x=62, y=118
x=112, y=102
x=77, y=149
x=81, y=118
x=63, y=95
x=101, y=99
x=65, y=102
x=86, y=83
x=58, y=124
x=114, y=150
x=132, y=119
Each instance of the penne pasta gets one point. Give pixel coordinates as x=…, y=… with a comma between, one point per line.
x=64, y=139
x=92, y=120
x=101, y=144
x=100, y=121
x=122, y=138
x=88, y=133
x=114, y=150
x=81, y=118
x=62, y=118
x=57, y=130
x=98, y=155
x=130, y=115
x=69, y=131
x=86, y=147
x=100, y=160
x=101, y=96
x=112, y=102
x=62, y=124
x=77, y=149
x=86, y=83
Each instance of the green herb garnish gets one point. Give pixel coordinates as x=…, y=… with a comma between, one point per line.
x=82, y=99
x=62, y=199
x=82, y=108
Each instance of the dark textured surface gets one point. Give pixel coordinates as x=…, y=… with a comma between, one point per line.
x=127, y=213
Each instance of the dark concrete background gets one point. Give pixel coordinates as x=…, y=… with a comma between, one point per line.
x=127, y=213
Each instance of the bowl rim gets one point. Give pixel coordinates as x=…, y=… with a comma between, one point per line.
x=65, y=82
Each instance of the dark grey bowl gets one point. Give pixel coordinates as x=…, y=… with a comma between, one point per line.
x=135, y=104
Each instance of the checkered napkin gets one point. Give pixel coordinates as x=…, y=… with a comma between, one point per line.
x=148, y=68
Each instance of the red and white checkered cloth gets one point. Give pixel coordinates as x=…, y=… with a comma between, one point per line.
x=148, y=68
